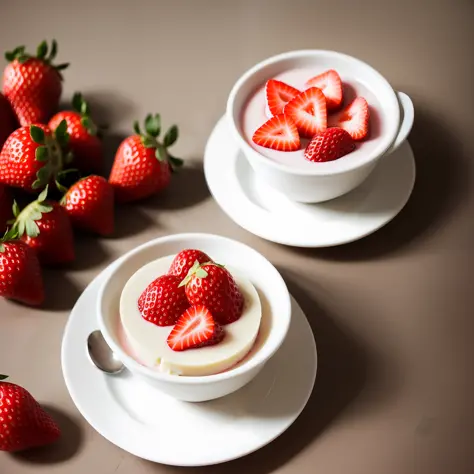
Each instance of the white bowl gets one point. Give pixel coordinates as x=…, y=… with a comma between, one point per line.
x=272, y=290
x=328, y=180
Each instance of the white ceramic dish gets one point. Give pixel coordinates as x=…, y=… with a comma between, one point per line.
x=324, y=181
x=265, y=212
x=142, y=421
x=273, y=294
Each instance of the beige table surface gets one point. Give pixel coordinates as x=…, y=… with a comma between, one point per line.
x=391, y=313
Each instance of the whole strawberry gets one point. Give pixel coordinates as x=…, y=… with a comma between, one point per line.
x=212, y=286
x=45, y=227
x=184, y=261
x=24, y=424
x=84, y=141
x=32, y=157
x=163, y=301
x=20, y=273
x=329, y=145
x=90, y=205
x=8, y=122
x=143, y=165
x=32, y=84
x=6, y=203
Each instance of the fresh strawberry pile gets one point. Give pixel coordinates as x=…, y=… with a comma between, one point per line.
x=41, y=149
x=315, y=114
x=198, y=297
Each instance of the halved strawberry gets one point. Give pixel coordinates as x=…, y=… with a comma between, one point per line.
x=354, y=119
x=329, y=145
x=278, y=133
x=331, y=86
x=308, y=111
x=195, y=328
x=278, y=94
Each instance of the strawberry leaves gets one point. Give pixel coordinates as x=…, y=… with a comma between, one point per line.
x=150, y=140
x=80, y=105
x=21, y=56
x=50, y=152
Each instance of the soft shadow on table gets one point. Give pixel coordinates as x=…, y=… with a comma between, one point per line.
x=343, y=370
x=130, y=220
x=65, y=448
x=90, y=252
x=61, y=293
x=441, y=185
x=188, y=188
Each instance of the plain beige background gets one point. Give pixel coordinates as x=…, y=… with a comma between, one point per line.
x=392, y=314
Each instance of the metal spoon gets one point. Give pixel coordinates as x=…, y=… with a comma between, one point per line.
x=101, y=354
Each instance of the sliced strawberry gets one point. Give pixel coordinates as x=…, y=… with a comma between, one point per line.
x=278, y=94
x=354, y=119
x=329, y=145
x=331, y=86
x=308, y=111
x=195, y=328
x=278, y=133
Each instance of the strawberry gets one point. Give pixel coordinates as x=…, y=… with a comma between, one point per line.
x=143, y=165
x=163, y=301
x=329, y=145
x=84, y=137
x=184, y=261
x=20, y=273
x=278, y=94
x=354, y=119
x=331, y=86
x=195, y=328
x=90, y=205
x=33, y=156
x=8, y=122
x=32, y=84
x=45, y=226
x=308, y=111
x=23, y=423
x=6, y=203
x=212, y=285
x=278, y=133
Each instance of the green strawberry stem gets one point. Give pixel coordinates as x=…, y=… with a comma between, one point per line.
x=50, y=152
x=21, y=56
x=25, y=221
x=198, y=271
x=80, y=105
x=3, y=377
x=150, y=140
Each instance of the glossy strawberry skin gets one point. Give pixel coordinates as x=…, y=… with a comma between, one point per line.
x=18, y=163
x=136, y=172
x=20, y=274
x=6, y=203
x=8, y=122
x=330, y=145
x=86, y=148
x=163, y=301
x=184, y=261
x=90, y=205
x=23, y=423
x=218, y=292
x=55, y=243
x=33, y=89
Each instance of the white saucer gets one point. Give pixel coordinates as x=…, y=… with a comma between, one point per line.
x=267, y=213
x=142, y=421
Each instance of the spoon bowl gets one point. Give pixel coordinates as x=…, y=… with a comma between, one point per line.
x=102, y=355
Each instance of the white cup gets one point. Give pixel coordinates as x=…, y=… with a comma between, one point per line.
x=271, y=287
x=332, y=179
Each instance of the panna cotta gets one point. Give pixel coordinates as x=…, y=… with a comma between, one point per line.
x=286, y=141
x=148, y=343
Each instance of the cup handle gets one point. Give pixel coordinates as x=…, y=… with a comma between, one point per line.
x=408, y=116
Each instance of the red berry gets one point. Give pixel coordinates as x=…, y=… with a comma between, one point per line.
x=329, y=145
x=184, y=261
x=278, y=133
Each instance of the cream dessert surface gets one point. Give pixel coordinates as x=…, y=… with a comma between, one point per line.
x=256, y=113
x=148, y=341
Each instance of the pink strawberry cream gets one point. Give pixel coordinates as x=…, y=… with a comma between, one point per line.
x=148, y=343
x=257, y=112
